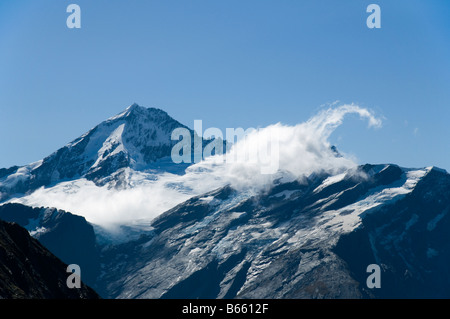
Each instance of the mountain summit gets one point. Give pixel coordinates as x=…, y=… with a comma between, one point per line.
x=133, y=138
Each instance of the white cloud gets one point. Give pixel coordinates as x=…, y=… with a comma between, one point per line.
x=302, y=150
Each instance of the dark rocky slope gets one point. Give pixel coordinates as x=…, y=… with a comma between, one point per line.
x=29, y=271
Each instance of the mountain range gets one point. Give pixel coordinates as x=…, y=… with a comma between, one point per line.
x=310, y=237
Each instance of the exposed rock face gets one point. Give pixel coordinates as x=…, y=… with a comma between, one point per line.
x=301, y=240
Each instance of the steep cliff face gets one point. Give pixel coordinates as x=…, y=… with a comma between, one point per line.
x=409, y=239
x=28, y=270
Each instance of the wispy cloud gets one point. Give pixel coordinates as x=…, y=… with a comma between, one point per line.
x=301, y=150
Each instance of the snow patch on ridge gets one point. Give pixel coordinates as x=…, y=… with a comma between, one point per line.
x=348, y=218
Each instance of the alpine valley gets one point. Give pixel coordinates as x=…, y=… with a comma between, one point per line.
x=141, y=226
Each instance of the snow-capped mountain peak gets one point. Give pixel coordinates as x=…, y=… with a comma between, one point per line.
x=134, y=138
x=136, y=110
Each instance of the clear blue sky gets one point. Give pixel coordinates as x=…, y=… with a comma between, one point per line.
x=231, y=63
